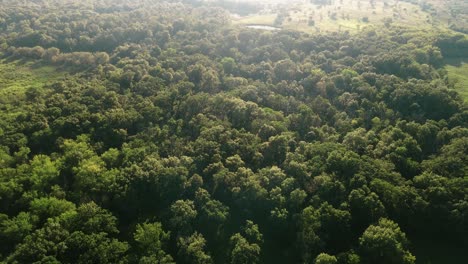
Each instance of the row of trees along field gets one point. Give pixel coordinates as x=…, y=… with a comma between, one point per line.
x=177, y=137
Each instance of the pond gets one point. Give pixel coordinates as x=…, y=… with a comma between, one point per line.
x=263, y=27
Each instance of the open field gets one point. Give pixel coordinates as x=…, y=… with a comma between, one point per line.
x=451, y=13
x=341, y=15
x=17, y=76
x=458, y=75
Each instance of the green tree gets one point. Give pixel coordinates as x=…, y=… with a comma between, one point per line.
x=50, y=207
x=17, y=228
x=308, y=240
x=385, y=243
x=286, y=70
x=150, y=239
x=324, y=258
x=335, y=229
x=183, y=215
x=243, y=252
x=44, y=172
x=229, y=65
x=192, y=250
x=93, y=248
x=365, y=207
x=45, y=242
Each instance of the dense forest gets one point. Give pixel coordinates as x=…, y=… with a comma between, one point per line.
x=177, y=137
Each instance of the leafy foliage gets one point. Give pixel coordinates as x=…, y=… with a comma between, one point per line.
x=177, y=137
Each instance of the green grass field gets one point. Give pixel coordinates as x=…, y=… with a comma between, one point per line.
x=350, y=15
x=17, y=76
x=458, y=75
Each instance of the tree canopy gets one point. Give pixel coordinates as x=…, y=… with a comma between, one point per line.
x=178, y=137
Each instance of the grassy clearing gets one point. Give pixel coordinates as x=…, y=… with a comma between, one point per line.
x=17, y=76
x=350, y=15
x=257, y=20
x=458, y=75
